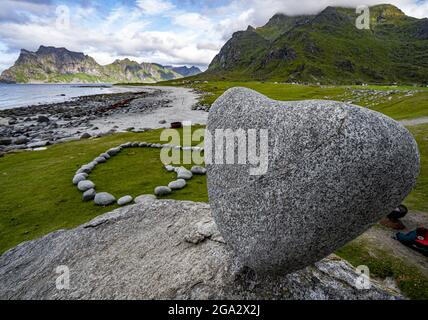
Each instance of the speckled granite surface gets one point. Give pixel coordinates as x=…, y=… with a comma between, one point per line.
x=334, y=170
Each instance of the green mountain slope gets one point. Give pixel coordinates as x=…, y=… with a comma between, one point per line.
x=59, y=65
x=329, y=48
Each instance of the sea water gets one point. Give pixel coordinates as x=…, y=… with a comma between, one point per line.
x=20, y=95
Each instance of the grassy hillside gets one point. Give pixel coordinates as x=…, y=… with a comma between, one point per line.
x=328, y=48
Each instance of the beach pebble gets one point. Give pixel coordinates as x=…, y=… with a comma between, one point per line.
x=21, y=140
x=5, y=141
x=124, y=200
x=89, y=195
x=104, y=199
x=85, y=136
x=177, y=184
x=161, y=191
x=38, y=144
x=85, y=185
x=42, y=119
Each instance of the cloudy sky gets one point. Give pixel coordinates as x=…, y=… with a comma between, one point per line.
x=178, y=32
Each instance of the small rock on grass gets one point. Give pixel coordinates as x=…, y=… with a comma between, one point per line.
x=177, y=184
x=79, y=177
x=169, y=168
x=124, y=200
x=145, y=198
x=85, y=136
x=183, y=173
x=104, y=199
x=198, y=170
x=89, y=195
x=86, y=168
x=113, y=151
x=162, y=191
x=100, y=160
x=85, y=185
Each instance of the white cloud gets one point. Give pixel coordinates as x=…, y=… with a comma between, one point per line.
x=258, y=12
x=155, y=7
x=193, y=20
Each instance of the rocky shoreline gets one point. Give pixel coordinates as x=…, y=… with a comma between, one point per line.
x=37, y=126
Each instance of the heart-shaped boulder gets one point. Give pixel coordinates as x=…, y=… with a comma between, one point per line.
x=333, y=171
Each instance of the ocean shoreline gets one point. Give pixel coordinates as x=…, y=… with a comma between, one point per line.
x=25, y=95
x=36, y=126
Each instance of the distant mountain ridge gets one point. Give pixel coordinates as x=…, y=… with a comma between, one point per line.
x=328, y=48
x=185, y=71
x=59, y=65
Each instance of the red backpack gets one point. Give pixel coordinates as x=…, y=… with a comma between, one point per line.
x=422, y=237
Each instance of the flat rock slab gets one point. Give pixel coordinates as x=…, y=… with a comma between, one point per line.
x=161, y=250
x=332, y=171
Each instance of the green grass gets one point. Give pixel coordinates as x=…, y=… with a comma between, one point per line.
x=399, y=107
x=418, y=199
x=412, y=283
x=38, y=196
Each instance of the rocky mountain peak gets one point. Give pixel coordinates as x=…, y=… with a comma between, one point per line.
x=43, y=50
x=59, y=65
x=387, y=10
x=277, y=19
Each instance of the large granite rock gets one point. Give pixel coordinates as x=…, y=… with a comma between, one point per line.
x=161, y=250
x=334, y=169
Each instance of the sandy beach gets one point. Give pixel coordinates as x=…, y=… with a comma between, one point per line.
x=180, y=109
